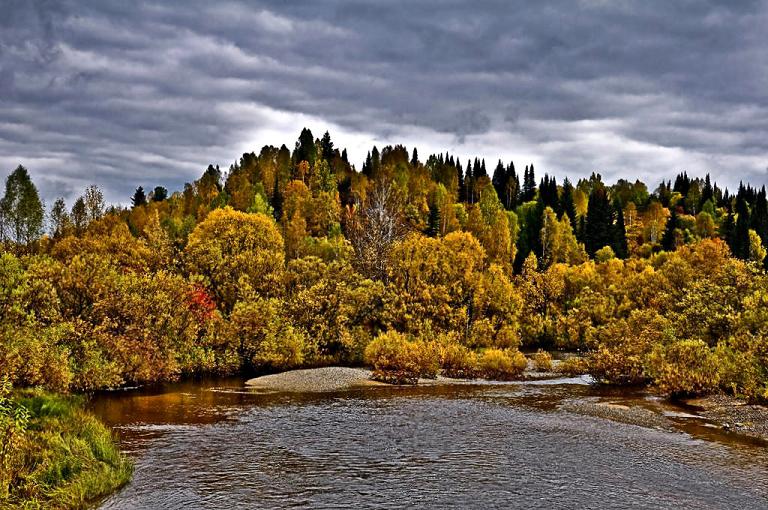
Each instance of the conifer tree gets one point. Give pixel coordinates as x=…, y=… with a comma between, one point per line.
x=599, y=229
x=139, y=198
x=415, y=158
x=668, y=240
x=740, y=238
x=512, y=188
x=567, y=205
x=499, y=180
x=433, y=221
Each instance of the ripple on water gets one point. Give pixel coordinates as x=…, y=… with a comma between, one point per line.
x=468, y=447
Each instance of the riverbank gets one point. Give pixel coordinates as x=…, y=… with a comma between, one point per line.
x=54, y=454
x=733, y=414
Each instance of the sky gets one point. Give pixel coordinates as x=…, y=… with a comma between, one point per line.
x=123, y=94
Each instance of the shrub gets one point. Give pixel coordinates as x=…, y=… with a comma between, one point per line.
x=542, y=361
x=624, y=345
x=742, y=366
x=687, y=367
x=457, y=361
x=573, y=366
x=266, y=339
x=502, y=365
x=398, y=360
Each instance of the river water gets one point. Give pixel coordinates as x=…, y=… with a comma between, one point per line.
x=215, y=444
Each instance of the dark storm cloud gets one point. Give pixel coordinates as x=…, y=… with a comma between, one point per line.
x=128, y=93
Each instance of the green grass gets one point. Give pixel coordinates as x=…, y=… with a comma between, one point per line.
x=65, y=459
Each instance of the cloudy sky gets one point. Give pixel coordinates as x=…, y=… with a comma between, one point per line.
x=137, y=93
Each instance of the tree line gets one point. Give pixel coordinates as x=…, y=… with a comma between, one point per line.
x=294, y=258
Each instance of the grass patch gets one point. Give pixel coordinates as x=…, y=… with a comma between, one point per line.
x=62, y=457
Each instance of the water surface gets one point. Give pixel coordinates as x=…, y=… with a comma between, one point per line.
x=218, y=445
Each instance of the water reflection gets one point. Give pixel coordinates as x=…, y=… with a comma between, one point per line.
x=212, y=444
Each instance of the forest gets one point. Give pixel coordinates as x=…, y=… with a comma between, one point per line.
x=414, y=267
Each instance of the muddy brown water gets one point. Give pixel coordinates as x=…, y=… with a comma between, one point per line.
x=217, y=444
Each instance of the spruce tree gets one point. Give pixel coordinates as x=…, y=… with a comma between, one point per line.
x=620, y=234
x=499, y=180
x=139, y=198
x=668, y=242
x=599, y=230
x=512, y=189
x=277, y=200
x=567, y=205
x=740, y=242
x=159, y=194
x=758, y=220
x=415, y=158
x=326, y=147
x=433, y=221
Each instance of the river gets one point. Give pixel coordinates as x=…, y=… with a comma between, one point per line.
x=216, y=444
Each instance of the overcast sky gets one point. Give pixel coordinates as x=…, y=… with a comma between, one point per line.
x=122, y=93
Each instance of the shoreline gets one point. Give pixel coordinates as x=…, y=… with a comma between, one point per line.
x=730, y=414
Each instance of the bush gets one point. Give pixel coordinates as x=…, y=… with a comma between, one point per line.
x=625, y=344
x=502, y=365
x=398, y=360
x=542, y=361
x=573, y=366
x=457, y=361
x=687, y=367
x=266, y=339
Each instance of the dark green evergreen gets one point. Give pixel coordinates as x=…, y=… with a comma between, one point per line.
x=599, y=230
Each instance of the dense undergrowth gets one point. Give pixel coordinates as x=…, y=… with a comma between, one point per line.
x=54, y=454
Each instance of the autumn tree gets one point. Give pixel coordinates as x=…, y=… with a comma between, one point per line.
x=230, y=250
x=374, y=228
x=59, y=219
x=21, y=210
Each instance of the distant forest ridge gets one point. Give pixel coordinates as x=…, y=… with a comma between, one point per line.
x=434, y=196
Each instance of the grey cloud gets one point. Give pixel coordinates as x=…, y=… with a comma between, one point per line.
x=129, y=93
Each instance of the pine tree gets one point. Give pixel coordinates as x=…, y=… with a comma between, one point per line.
x=277, y=200
x=499, y=180
x=415, y=158
x=669, y=239
x=567, y=205
x=326, y=147
x=139, y=198
x=469, y=183
x=375, y=161
x=512, y=189
x=707, y=193
x=433, y=221
x=461, y=189
x=599, y=230
x=159, y=194
x=620, y=234
x=529, y=184
x=305, y=148
x=740, y=239
x=759, y=218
